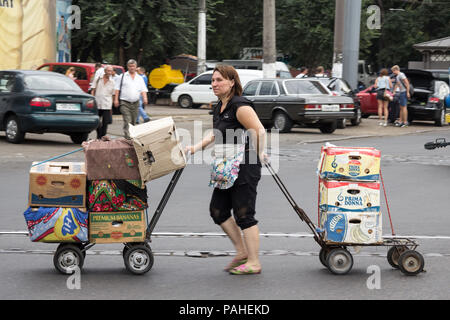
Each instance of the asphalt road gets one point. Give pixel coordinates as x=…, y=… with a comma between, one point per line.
x=416, y=182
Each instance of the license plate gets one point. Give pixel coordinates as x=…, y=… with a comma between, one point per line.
x=68, y=107
x=330, y=107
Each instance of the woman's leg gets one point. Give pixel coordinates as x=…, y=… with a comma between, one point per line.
x=251, y=239
x=234, y=233
x=386, y=111
x=380, y=109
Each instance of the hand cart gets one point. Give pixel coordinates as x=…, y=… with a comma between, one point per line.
x=138, y=256
x=335, y=256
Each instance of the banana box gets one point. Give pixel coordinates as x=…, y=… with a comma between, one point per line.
x=352, y=228
x=58, y=184
x=349, y=163
x=345, y=196
x=117, y=227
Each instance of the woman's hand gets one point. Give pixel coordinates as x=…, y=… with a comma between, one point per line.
x=264, y=158
x=189, y=149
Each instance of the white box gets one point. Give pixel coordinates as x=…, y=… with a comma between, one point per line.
x=352, y=228
x=158, y=148
x=345, y=196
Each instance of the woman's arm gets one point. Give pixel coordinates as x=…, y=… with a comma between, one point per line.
x=202, y=144
x=248, y=118
x=376, y=83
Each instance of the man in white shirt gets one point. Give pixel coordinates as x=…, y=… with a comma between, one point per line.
x=129, y=88
x=303, y=73
x=103, y=89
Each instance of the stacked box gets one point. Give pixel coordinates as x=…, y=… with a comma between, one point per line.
x=349, y=195
x=58, y=184
x=354, y=164
x=158, y=148
x=117, y=227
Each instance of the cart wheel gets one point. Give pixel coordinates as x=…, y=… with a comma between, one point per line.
x=138, y=259
x=323, y=256
x=411, y=263
x=339, y=261
x=393, y=255
x=67, y=257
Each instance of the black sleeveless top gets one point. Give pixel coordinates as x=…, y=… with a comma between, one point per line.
x=227, y=129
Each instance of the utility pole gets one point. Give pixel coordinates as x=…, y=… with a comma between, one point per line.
x=338, y=55
x=351, y=41
x=269, y=40
x=201, y=43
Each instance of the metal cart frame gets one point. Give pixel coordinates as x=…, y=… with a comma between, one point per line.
x=335, y=256
x=138, y=256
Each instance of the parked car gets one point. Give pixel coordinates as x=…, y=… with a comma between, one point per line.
x=198, y=91
x=427, y=100
x=283, y=103
x=84, y=72
x=341, y=87
x=40, y=101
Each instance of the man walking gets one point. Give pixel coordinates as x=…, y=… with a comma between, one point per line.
x=129, y=88
x=142, y=114
x=103, y=90
x=402, y=84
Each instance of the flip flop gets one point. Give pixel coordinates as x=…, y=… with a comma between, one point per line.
x=243, y=269
x=234, y=263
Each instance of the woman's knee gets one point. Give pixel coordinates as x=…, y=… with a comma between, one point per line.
x=219, y=216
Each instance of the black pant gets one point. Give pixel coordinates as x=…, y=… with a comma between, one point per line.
x=241, y=198
x=105, y=119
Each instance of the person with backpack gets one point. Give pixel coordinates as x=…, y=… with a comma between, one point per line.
x=403, y=86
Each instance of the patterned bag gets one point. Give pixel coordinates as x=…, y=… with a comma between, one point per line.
x=116, y=195
x=57, y=224
x=225, y=166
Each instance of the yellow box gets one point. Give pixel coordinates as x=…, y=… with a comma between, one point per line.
x=447, y=118
x=348, y=163
x=117, y=227
x=58, y=184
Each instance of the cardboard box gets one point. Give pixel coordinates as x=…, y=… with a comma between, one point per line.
x=58, y=184
x=345, y=196
x=347, y=163
x=352, y=228
x=117, y=227
x=158, y=148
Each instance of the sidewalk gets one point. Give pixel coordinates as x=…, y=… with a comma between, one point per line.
x=369, y=127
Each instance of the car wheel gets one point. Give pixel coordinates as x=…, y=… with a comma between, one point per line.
x=282, y=122
x=341, y=123
x=328, y=127
x=185, y=101
x=14, y=133
x=357, y=119
x=441, y=120
x=79, y=138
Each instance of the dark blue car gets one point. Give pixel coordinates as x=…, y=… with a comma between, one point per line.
x=41, y=101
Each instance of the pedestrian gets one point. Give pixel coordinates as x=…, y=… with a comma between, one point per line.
x=103, y=90
x=232, y=115
x=99, y=72
x=303, y=73
x=129, y=88
x=142, y=114
x=402, y=84
x=383, y=84
x=320, y=72
x=71, y=73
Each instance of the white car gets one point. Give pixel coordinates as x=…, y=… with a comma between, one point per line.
x=198, y=91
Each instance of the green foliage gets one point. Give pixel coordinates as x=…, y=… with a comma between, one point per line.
x=152, y=31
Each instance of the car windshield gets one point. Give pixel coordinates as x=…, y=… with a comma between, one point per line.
x=50, y=82
x=304, y=87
